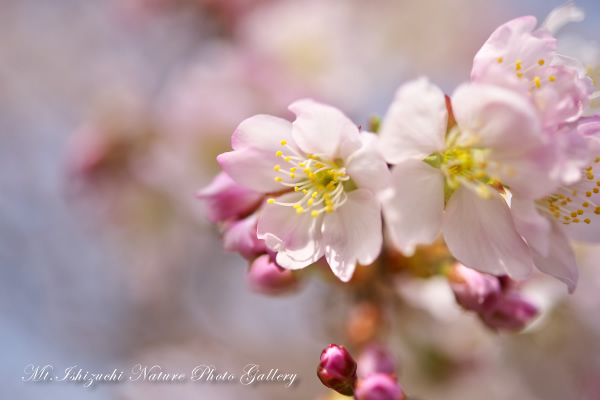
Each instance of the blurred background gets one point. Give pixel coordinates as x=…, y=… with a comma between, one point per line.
x=111, y=115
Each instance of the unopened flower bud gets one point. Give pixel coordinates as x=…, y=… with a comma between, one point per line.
x=473, y=290
x=269, y=278
x=512, y=313
x=375, y=359
x=337, y=369
x=379, y=386
x=241, y=237
x=225, y=199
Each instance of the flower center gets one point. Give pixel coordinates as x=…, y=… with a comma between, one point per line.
x=323, y=182
x=464, y=165
x=530, y=72
x=573, y=204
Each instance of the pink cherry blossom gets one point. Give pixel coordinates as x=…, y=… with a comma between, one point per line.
x=556, y=84
x=322, y=176
x=450, y=179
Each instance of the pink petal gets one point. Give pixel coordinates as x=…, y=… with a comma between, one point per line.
x=321, y=129
x=530, y=224
x=414, y=213
x=352, y=234
x=515, y=41
x=415, y=124
x=225, y=199
x=241, y=237
x=366, y=166
x=560, y=261
x=497, y=118
x=255, y=143
x=480, y=233
x=295, y=237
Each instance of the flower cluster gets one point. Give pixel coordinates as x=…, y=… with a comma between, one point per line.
x=507, y=168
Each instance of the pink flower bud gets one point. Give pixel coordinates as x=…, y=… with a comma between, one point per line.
x=473, y=290
x=240, y=236
x=337, y=369
x=379, y=386
x=225, y=199
x=375, y=359
x=268, y=278
x=511, y=313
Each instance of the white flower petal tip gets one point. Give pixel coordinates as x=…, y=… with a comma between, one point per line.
x=563, y=15
x=415, y=124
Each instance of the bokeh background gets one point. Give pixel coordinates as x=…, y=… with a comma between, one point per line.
x=111, y=115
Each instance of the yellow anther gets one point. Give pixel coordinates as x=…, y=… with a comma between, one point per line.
x=518, y=67
x=304, y=191
x=597, y=183
x=287, y=158
x=309, y=156
x=500, y=59
x=329, y=209
x=327, y=196
x=283, y=142
x=595, y=190
x=277, y=167
x=569, y=199
x=567, y=218
x=586, y=204
x=597, y=211
x=576, y=220
x=299, y=210
x=597, y=159
x=315, y=194
x=561, y=196
x=278, y=179
x=292, y=175
x=315, y=213
x=319, y=165
x=296, y=205
x=590, y=176
x=278, y=154
x=552, y=78
x=306, y=171
x=537, y=82
x=588, y=194
x=579, y=212
x=310, y=202
x=587, y=221
x=557, y=214
x=564, y=202
x=271, y=201
x=541, y=62
x=296, y=189
x=292, y=169
x=573, y=214
x=520, y=75
x=302, y=164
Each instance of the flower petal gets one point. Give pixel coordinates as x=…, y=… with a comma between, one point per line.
x=225, y=199
x=481, y=234
x=512, y=43
x=415, y=124
x=561, y=16
x=353, y=234
x=255, y=143
x=321, y=129
x=497, y=118
x=366, y=166
x=414, y=213
x=530, y=224
x=560, y=261
x=241, y=237
x=296, y=237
